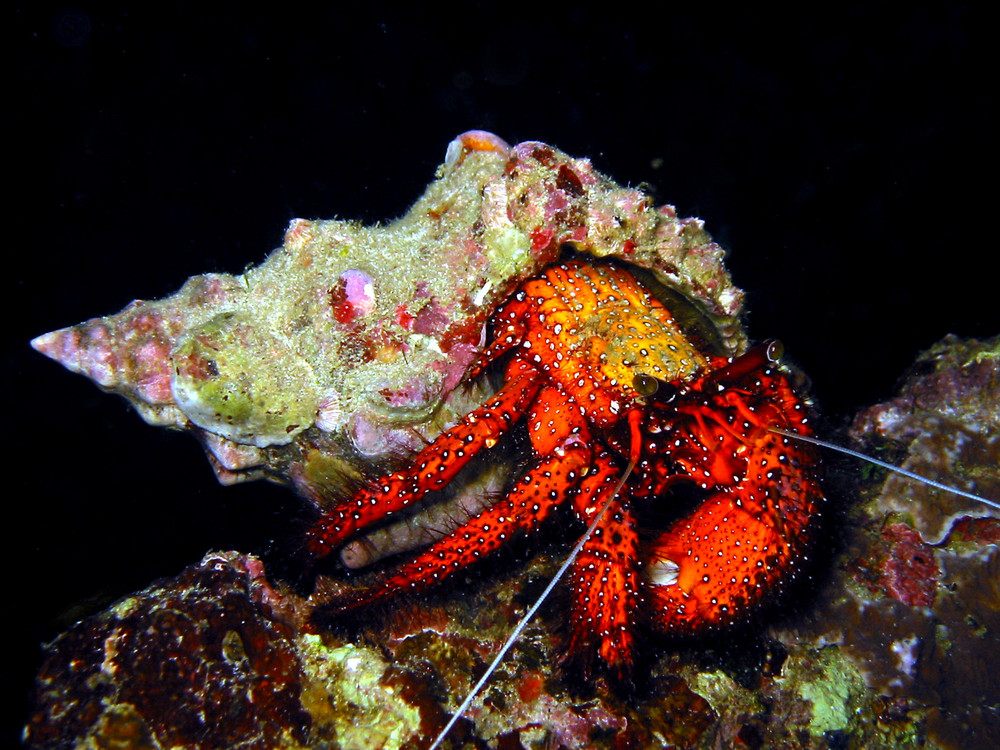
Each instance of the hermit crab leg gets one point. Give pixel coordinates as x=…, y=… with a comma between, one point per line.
x=433, y=468
x=523, y=623
x=530, y=502
x=605, y=584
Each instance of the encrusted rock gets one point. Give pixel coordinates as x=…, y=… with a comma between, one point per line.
x=914, y=603
x=200, y=661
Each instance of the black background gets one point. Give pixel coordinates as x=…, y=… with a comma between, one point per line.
x=845, y=157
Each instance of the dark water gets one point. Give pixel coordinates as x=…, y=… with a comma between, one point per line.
x=840, y=160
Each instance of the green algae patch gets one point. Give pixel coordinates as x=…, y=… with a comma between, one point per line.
x=508, y=248
x=723, y=694
x=241, y=381
x=830, y=683
x=345, y=691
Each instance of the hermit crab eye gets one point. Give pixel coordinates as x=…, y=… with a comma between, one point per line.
x=645, y=385
x=774, y=350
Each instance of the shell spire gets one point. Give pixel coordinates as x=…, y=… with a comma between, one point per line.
x=129, y=353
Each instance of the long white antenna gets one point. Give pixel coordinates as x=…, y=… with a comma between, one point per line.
x=516, y=633
x=884, y=465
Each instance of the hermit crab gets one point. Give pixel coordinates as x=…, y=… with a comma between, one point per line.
x=619, y=407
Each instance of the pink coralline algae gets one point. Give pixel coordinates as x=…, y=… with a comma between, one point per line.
x=353, y=297
x=910, y=572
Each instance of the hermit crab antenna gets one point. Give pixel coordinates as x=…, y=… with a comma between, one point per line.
x=884, y=465
x=519, y=628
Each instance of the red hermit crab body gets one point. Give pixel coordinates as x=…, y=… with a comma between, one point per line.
x=603, y=377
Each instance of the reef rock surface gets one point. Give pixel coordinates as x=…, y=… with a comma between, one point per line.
x=900, y=649
x=914, y=603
